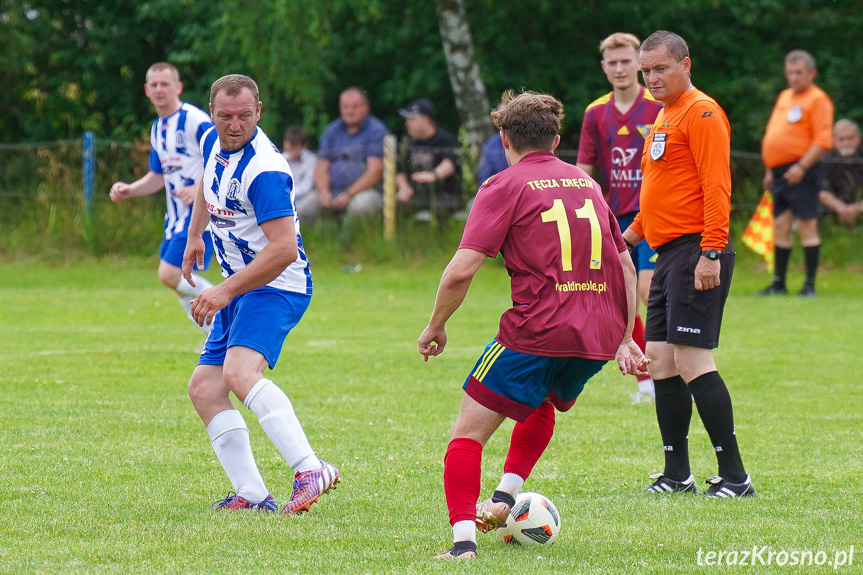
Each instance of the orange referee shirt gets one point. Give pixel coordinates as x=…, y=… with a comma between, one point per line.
x=687, y=178
x=797, y=122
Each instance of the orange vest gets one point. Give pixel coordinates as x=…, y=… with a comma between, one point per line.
x=687, y=179
x=798, y=121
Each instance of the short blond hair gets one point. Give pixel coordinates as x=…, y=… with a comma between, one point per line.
x=233, y=84
x=619, y=40
x=159, y=66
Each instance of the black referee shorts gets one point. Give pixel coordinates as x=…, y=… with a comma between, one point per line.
x=676, y=312
x=800, y=198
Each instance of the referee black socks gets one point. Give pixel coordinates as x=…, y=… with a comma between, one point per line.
x=714, y=406
x=673, y=413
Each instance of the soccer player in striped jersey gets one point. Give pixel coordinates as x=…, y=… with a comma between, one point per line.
x=175, y=165
x=573, y=294
x=247, y=200
x=612, y=139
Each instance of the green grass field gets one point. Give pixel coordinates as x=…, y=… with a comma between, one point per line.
x=106, y=468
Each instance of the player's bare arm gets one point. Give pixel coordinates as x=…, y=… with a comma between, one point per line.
x=149, y=184
x=281, y=250
x=195, y=249
x=454, y=284
x=630, y=359
x=186, y=194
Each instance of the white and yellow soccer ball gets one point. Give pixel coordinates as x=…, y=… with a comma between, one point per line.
x=533, y=520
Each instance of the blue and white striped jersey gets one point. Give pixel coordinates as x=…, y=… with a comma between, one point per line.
x=243, y=189
x=175, y=153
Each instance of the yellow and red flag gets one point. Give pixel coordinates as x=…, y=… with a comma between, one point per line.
x=759, y=233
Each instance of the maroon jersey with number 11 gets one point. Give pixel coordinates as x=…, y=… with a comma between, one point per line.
x=561, y=246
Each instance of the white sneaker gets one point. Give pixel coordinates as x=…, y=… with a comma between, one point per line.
x=645, y=391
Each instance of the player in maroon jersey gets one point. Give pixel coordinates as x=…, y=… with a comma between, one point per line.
x=612, y=139
x=573, y=294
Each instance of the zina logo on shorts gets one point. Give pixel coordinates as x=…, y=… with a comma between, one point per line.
x=688, y=329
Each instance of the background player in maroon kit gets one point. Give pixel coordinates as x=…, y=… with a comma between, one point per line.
x=573, y=293
x=612, y=138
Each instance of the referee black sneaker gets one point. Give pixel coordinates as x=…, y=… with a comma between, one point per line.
x=722, y=488
x=808, y=290
x=663, y=484
x=774, y=289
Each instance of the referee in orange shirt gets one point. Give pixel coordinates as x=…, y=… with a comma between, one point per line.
x=685, y=209
x=798, y=134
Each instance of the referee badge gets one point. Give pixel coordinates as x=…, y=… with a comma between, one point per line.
x=657, y=148
x=794, y=114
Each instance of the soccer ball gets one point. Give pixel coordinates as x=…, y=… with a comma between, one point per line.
x=534, y=520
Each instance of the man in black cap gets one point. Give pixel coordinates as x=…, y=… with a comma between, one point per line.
x=429, y=177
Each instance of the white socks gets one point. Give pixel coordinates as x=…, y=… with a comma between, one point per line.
x=645, y=387
x=510, y=483
x=186, y=293
x=276, y=416
x=464, y=531
x=230, y=438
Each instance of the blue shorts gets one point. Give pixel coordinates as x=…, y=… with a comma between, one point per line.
x=171, y=251
x=259, y=319
x=643, y=256
x=514, y=383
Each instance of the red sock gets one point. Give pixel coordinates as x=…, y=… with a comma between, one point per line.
x=529, y=440
x=461, y=478
x=638, y=337
x=638, y=333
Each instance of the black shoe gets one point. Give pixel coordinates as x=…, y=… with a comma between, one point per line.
x=774, y=289
x=459, y=550
x=721, y=488
x=662, y=484
x=807, y=291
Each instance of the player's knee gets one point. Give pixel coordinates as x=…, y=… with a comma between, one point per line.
x=169, y=276
x=240, y=379
x=199, y=391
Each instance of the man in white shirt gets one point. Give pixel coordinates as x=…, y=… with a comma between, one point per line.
x=175, y=165
x=246, y=199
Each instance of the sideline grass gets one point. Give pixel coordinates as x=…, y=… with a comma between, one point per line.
x=107, y=469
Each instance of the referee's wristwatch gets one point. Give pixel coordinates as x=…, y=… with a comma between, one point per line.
x=712, y=255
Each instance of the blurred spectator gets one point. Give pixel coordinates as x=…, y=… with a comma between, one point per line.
x=493, y=158
x=842, y=185
x=797, y=136
x=295, y=149
x=350, y=158
x=429, y=176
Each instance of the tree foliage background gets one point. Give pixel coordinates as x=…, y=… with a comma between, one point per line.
x=75, y=65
